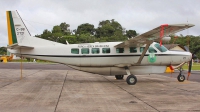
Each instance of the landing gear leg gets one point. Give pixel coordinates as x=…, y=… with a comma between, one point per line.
x=181, y=77
x=131, y=79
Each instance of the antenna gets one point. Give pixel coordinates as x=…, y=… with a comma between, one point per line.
x=23, y=23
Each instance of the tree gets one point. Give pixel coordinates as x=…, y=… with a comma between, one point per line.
x=65, y=28
x=193, y=42
x=46, y=33
x=108, y=28
x=131, y=33
x=85, y=28
x=194, y=45
x=56, y=33
x=56, y=29
x=3, y=50
x=105, y=31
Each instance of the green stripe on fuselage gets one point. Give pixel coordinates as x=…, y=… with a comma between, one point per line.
x=12, y=29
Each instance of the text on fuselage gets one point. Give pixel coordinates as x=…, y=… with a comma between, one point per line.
x=92, y=46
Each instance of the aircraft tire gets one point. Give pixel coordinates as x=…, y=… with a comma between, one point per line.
x=131, y=80
x=119, y=77
x=181, y=78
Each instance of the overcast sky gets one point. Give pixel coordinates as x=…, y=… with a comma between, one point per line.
x=139, y=15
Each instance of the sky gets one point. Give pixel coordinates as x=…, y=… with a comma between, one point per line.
x=139, y=15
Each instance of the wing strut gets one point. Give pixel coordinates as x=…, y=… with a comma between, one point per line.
x=144, y=52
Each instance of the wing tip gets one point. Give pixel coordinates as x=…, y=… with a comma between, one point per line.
x=184, y=24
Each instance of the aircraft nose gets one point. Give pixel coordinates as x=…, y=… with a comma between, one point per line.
x=189, y=56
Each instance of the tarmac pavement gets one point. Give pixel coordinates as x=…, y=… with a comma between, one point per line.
x=50, y=90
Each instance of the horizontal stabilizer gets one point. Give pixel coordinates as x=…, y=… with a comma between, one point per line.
x=16, y=46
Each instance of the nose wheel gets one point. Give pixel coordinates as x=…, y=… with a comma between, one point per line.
x=181, y=77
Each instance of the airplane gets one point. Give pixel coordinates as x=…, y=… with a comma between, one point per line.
x=139, y=55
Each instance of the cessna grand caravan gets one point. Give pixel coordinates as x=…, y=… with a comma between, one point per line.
x=138, y=55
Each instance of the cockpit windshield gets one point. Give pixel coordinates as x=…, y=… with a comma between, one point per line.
x=161, y=48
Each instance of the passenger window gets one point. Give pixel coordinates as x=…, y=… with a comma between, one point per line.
x=105, y=50
x=133, y=49
x=119, y=50
x=142, y=49
x=152, y=50
x=74, y=51
x=95, y=50
x=85, y=51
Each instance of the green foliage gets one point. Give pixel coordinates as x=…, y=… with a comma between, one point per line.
x=56, y=29
x=109, y=28
x=131, y=33
x=192, y=41
x=3, y=50
x=45, y=35
x=85, y=28
x=108, y=31
x=69, y=38
x=65, y=28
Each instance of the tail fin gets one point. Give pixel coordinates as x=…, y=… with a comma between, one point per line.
x=19, y=36
x=17, y=30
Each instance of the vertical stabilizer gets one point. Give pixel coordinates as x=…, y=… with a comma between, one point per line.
x=17, y=31
x=19, y=36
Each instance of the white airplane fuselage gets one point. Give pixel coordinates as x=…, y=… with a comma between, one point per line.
x=111, y=63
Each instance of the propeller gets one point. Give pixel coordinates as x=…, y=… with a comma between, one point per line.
x=190, y=62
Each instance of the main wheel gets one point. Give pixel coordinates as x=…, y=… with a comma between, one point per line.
x=131, y=80
x=181, y=78
x=119, y=77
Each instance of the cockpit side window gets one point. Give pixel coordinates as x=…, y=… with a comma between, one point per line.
x=152, y=50
x=142, y=49
x=160, y=48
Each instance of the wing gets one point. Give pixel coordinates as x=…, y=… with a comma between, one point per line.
x=154, y=35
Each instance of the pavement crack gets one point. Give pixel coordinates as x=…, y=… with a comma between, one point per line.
x=61, y=91
x=20, y=79
x=132, y=95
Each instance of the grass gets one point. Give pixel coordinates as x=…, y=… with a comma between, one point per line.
x=195, y=66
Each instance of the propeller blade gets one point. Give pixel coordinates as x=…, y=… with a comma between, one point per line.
x=190, y=63
x=189, y=69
